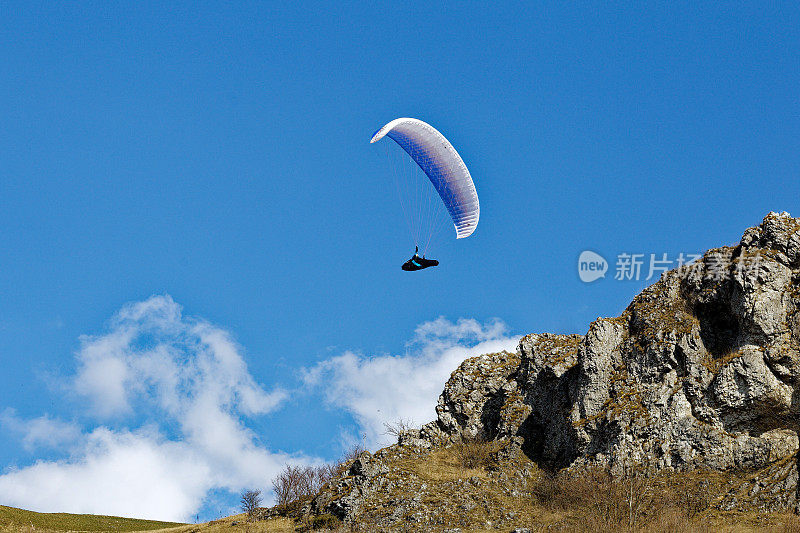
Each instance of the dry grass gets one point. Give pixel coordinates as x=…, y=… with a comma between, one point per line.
x=14, y=520
x=273, y=525
x=680, y=502
x=443, y=464
x=475, y=453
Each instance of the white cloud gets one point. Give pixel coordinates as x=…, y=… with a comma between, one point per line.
x=144, y=356
x=387, y=388
x=186, y=385
x=42, y=432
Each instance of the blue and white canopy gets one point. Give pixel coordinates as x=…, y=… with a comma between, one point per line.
x=444, y=167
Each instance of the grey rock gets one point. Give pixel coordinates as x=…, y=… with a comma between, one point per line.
x=701, y=370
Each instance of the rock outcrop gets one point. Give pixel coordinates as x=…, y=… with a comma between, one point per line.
x=701, y=371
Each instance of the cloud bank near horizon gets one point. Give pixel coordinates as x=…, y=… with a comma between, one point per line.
x=185, y=384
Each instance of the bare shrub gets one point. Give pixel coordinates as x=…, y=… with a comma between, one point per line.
x=789, y=523
x=630, y=501
x=475, y=453
x=297, y=483
x=672, y=520
x=554, y=493
x=250, y=502
x=325, y=522
x=300, y=482
x=693, y=497
x=319, y=476
x=398, y=427
x=352, y=453
x=327, y=472
x=605, y=502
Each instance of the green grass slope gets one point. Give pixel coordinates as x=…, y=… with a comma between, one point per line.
x=12, y=518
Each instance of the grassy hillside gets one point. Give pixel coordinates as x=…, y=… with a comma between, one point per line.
x=21, y=521
x=12, y=519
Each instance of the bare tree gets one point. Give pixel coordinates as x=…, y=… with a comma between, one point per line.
x=250, y=502
x=285, y=485
x=294, y=482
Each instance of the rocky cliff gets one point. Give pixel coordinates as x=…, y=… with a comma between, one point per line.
x=699, y=373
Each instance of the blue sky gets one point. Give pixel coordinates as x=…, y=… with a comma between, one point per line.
x=217, y=157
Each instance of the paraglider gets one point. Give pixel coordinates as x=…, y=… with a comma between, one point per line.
x=445, y=170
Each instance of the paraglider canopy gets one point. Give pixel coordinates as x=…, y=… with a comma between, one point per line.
x=444, y=167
